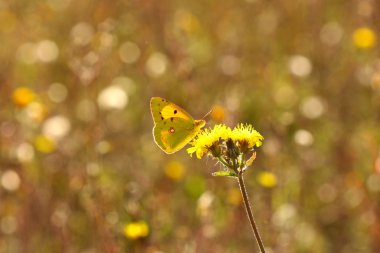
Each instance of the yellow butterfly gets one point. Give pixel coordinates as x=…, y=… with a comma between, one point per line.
x=173, y=126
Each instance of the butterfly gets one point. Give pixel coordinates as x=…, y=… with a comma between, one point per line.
x=173, y=126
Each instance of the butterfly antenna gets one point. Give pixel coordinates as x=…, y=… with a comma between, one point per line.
x=207, y=114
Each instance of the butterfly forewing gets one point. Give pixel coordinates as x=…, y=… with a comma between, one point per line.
x=163, y=109
x=175, y=111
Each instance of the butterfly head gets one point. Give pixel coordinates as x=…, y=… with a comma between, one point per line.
x=199, y=123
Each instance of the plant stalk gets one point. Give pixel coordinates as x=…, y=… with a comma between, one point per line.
x=249, y=212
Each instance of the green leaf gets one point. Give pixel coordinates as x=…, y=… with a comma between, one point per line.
x=224, y=174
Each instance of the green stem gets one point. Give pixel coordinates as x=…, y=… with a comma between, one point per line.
x=249, y=212
x=223, y=162
x=242, y=163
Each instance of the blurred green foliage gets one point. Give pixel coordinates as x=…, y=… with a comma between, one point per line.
x=79, y=171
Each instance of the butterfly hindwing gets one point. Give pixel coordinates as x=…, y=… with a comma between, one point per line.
x=173, y=134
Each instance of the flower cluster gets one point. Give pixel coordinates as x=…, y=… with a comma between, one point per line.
x=230, y=146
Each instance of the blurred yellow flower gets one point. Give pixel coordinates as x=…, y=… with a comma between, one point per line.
x=44, y=144
x=218, y=113
x=136, y=230
x=36, y=111
x=364, y=37
x=174, y=170
x=234, y=196
x=267, y=179
x=187, y=21
x=22, y=96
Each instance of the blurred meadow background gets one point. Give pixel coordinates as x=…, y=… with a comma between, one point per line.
x=80, y=172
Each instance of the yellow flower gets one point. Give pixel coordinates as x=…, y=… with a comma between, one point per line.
x=187, y=21
x=22, y=96
x=44, y=144
x=267, y=179
x=136, y=230
x=234, y=196
x=218, y=113
x=246, y=136
x=230, y=147
x=36, y=111
x=364, y=37
x=174, y=170
x=208, y=139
